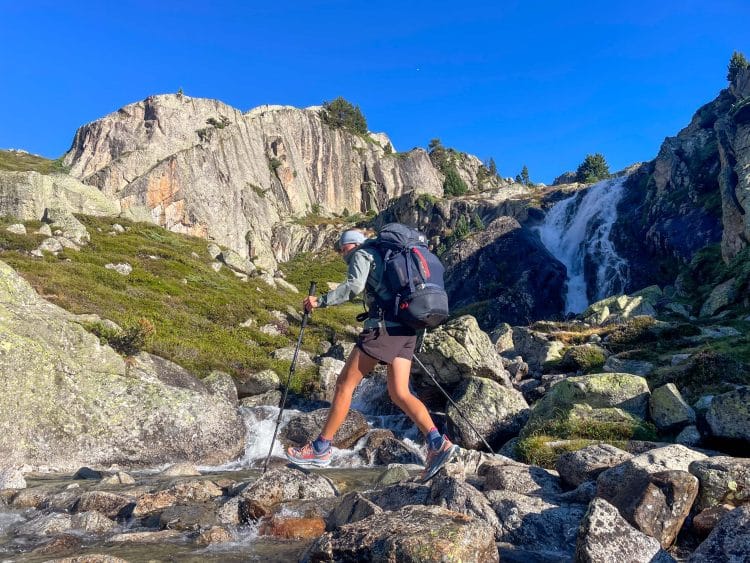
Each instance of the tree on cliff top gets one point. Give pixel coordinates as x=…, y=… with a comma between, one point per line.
x=593, y=168
x=737, y=63
x=343, y=114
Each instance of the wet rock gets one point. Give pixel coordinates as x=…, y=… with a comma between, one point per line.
x=587, y=463
x=188, y=518
x=90, y=558
x=11, y=478
x=668, y=409
x=728, y=416
x=306, y=427
x=109, y=504
x=92, y=522
x=497, y=412
x=534, y=524
x=37, y=497
x=282, y=485
x=61, y=544
x=269, y=398
x=415, y=533
x=46, y=525
x=289, y=527
x=214, y=535
x=352, y=508
x=181, y=493
x=64, y=501
x=181, y=470
x=382, y=448
x=706, y=520
x=394, y=474
x=88, y=473
x=229, y=512
x=606, y=537
x=723, y=480
x=119, y=478
x=729, y=540
x=459, y=496
x=460, y=349
x=146, y=537
x=523, y=479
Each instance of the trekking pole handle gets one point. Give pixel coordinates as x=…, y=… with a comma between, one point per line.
x=312, y=288
x=310, y=293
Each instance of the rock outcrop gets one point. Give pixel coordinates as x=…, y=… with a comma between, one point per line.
x=69, y=401
x=201, y=167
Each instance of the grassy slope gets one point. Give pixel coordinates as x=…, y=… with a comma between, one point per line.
x=196, y=312
x=22, y=162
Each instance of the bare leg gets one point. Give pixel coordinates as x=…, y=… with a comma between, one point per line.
x=357, y=366
x=398, y=389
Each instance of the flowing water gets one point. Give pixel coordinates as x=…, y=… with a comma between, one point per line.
x=577, y=232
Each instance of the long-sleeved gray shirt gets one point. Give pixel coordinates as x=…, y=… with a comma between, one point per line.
x=365, y=273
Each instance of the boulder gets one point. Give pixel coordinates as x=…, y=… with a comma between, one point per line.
x=536, y=348
x=382, y=448
x=45, y=525
x=668, y=409
x=707, y=519
x=269, y=398
x=328, y=373
x=214, y=535
x=689, y=436
x=623, y=365
x=282, y=485
x=415, y=533
x=188, y=518
x=257, y=383
x=399, y=495
x=11, y=478
x=722, y=295
x=292, y=527
x=459, y=496
x=619, y=308
x=520, y=478
x=183, y=492
x=303, y=358
x=497, y=412
x=606, y=537
x=537, y=525
x=723, y=480
x=16, y=229
x=305, y=427
x=92, y=522
x=728, y=416
x=622, y=390
x=352, y=508
x=729, y=540
x=583, y=358
x=103, y=410
x=587, y=463
x=181, y=470
x=460, y=349
x=221, y=385
x=112, y=505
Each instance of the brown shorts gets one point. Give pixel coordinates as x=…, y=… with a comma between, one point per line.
x=386, y=344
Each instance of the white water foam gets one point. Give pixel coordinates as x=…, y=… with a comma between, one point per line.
x=577, y=230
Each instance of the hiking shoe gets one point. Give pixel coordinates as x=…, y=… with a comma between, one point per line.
x=437, y=459
x=306, y=456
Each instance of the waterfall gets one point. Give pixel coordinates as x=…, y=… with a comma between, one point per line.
x=577, y=232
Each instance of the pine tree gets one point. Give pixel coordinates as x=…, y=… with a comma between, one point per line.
x=593, y=168
x=453, y=184
x=523, y=177
x=343, y=114
x=492, y=167
x=737, y=63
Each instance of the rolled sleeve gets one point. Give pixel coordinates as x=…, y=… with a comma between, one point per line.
x=356, y=279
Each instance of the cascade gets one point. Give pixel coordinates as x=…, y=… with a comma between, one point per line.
x=577, y=231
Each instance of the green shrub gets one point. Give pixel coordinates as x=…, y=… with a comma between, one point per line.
x=585, y=358
x=593, y=168
x=453, y=185
x=343, y=114
x=128, y=341
x=634, y=332
x=737, y=63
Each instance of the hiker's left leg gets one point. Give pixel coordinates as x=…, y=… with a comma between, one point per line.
x=398, y=390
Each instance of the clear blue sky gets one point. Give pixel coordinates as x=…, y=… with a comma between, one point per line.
x=536, y=83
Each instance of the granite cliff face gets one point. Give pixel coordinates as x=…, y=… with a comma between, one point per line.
x=201, y=167
x=693, y=194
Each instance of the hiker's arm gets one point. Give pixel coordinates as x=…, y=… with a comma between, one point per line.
x=356, y=278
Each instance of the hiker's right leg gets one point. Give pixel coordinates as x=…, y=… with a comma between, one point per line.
x=357, y=366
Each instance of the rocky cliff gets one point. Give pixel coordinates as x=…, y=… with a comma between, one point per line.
x=693, y=194
x=201, y=167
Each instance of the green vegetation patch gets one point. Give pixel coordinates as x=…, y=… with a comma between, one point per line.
x=174, y=304
x=16, y=161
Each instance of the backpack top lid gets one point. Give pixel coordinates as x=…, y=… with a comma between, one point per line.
x=398, y=236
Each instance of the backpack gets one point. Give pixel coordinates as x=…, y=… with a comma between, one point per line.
x=414, y=275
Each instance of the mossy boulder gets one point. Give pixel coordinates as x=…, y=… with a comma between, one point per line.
x=729, y=415
x=619, y=308
x=668, y=409
x=583, y=358
x=69, y=401
x=622, y=390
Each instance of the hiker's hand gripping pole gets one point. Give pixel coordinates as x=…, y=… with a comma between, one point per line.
x=292, y=367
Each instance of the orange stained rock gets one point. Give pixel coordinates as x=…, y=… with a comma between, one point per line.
x=293, y=528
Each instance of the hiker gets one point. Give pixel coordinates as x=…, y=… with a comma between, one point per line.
x=381, y=341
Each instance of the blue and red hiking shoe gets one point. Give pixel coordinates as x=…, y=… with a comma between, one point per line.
x=437, y=458
x=306, y=456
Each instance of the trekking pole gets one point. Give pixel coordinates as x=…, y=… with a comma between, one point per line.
x=428, y=372
x=292, y=367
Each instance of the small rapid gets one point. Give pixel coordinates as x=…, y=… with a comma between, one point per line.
x=577, y=232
